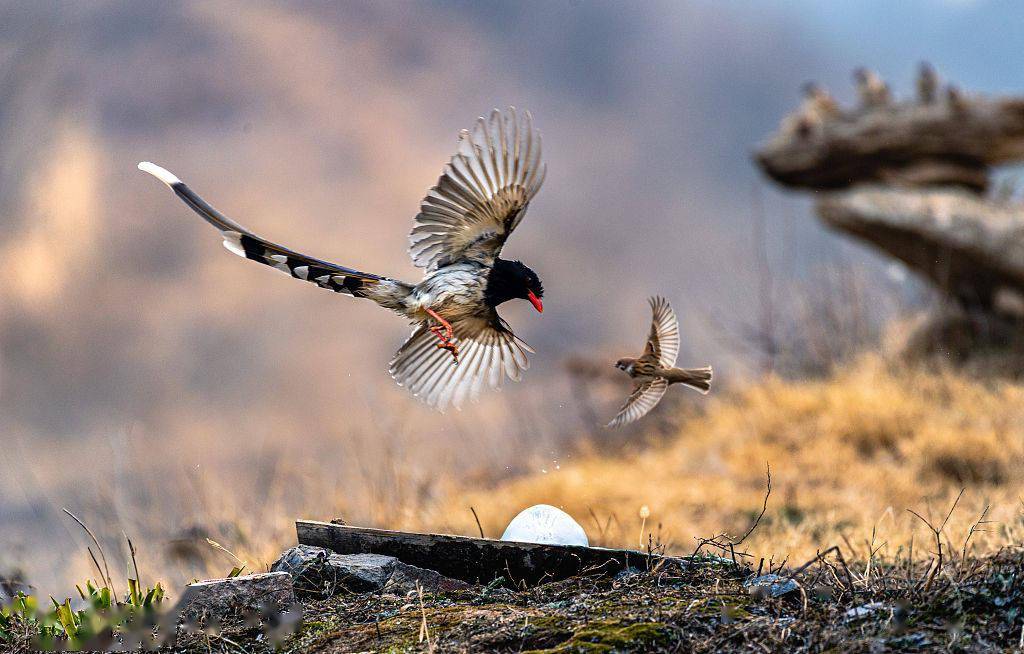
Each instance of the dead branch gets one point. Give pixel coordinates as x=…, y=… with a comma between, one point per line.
x=942, y=143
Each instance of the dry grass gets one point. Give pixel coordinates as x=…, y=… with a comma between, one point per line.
x=849, y=456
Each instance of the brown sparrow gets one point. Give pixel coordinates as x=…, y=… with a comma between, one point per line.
x=654, y=371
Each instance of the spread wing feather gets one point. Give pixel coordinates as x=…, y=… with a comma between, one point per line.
x=663, y=340
x=483, y=193
x=488, y=353
x=644, y=398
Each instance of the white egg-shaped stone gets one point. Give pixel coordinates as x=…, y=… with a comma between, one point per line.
x=547, y=525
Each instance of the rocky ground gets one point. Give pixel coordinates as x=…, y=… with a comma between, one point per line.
x=375, y=604
x=315, y=600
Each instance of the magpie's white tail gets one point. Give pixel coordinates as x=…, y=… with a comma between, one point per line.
x=244, y=243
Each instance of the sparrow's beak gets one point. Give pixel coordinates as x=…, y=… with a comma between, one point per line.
x=537, y=304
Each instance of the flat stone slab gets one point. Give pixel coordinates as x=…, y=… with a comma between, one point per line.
x=477, y=560
x=407, y=577
x=242, y=596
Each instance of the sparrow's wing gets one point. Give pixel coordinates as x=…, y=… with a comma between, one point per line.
x=244, y=243
x=482, y=194
x=644, y=398
x=488, y=352
x=663, y=340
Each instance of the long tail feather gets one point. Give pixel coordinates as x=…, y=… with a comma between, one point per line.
x=244, y=243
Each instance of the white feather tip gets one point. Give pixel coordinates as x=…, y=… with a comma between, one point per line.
x=162, y=174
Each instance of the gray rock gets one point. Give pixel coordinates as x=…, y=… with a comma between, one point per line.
x=318, y=572
x=405, y=576
x=865, y=611
x=237, y=597
x=628, y=573
x=770, y=585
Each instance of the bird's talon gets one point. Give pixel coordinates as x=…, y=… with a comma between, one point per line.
x=451, y=347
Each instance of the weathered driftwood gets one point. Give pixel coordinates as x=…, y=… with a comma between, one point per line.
x=946, y=142
x=906, y=177
x=476, y=560
x=971, y=249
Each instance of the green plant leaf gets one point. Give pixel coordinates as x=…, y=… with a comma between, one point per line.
x=134, y=598
x=68, y=618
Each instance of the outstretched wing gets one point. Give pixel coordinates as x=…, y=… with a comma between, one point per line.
x=644, y=398
x=663, y=340
x=488, y=352
x=244, y=243
x=482, y=194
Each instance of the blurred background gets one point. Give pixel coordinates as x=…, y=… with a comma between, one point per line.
x=160, y=388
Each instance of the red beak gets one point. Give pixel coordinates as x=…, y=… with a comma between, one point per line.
x=537, y=304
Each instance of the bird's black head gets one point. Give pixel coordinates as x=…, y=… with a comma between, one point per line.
x=509, y=280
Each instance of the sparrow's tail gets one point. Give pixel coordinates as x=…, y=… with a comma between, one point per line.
x=386, y=292
x=698, y=379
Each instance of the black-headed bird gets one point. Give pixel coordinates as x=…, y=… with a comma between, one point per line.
x=655, y=370
x=459, y=342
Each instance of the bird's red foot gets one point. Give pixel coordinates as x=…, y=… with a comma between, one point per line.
x=451, y=347
x=444, y=333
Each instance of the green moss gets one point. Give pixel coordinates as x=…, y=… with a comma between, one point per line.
x=547, y=631
x=314, y=628
x=613, y=636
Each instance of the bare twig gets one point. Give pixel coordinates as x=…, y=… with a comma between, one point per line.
x=96, y=564
x=597, y=523
x=849, y=577
x=135, y=563
x=766, y=330
x=764, y=507
x=820, y=556
x=424, y=631
x=107, y=579
x=937, y=534
x=477, y=518
x=217, y=546
x=976, y=527
x=724, y=543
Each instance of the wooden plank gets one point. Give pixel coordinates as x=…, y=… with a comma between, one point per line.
x=476, y=560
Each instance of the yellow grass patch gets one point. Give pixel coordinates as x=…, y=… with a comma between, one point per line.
x=848, y=455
